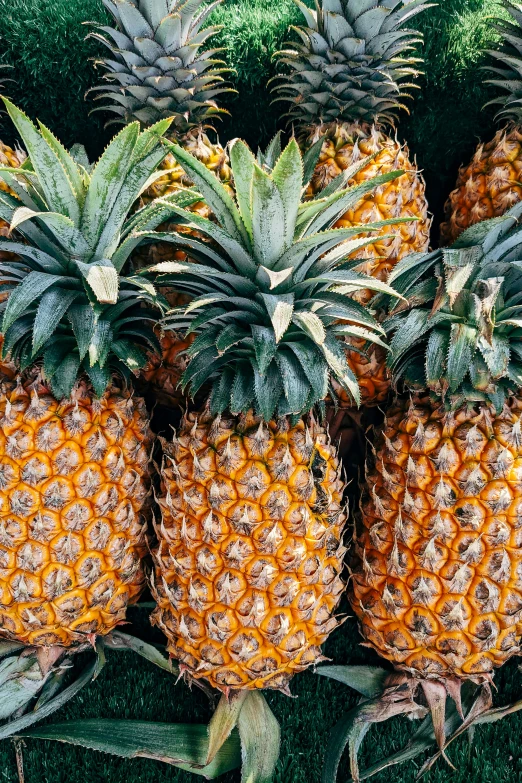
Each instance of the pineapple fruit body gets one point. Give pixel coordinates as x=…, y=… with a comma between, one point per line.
x=344, y=81
x=73, y=488
x=368, y=363
x=437, y=586
x=492, y=183
x=249, y=556
x=487, y=187
x=247, y=569
x=346, y=144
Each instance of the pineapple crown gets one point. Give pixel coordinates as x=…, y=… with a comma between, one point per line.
x=272, y=283
x=353, y=62
x=157, y=67
x=460, y=335
x=74, y=306
x=508, y=71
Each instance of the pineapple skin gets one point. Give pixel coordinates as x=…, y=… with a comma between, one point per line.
x=164, y=372
x=369, y=366
x=437, y=583
x=212, y=155
x=74, y=486
x=249, y=556
x=347, y=143
x=487, y=187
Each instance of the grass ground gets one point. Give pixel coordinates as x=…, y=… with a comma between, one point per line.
x=53, y=73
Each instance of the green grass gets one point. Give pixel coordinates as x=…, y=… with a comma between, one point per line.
x=53, y=72
x=45, y=43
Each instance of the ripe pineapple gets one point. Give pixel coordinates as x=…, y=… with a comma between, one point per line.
x=75, y=442
x=247, y=568
x=346, y=81
x=437, y=578
x=492, y=182
x=157, y=69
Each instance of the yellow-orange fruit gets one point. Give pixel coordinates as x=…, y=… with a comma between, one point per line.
x=247, y=569
x=437, y=583
x=486, y=188
x=368, y=363
x=346, y=144
x=213, y=156
x=74, y=483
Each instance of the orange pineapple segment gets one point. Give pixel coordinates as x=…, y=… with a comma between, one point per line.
x=487, y=187
x=492, y=183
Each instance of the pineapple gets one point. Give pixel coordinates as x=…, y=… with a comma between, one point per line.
x=345, y=85
x=346, y=82
x=492, y=182
x=249, y=555
x=75, y=443
x=158, y=69
x=368, y=363
x=437, y=577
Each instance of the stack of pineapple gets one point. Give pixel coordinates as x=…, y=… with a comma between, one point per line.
x=275, y=284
